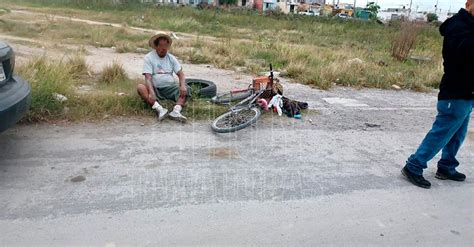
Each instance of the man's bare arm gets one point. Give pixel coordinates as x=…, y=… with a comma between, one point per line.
x=149, y=85
x=182, y=83
x=182, y=79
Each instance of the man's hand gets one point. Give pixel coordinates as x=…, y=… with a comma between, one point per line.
x=183, y=91
x=182, y=84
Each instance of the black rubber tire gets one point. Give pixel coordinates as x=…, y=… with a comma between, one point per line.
x=214, y=127
x=229, y=97
x=208, y=88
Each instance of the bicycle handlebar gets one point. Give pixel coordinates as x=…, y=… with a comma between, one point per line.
x=271, y=74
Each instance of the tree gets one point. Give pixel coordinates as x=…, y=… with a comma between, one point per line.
x=432, y=17
x=374, y=10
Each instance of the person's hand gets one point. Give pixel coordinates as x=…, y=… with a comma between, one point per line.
x=183, y=91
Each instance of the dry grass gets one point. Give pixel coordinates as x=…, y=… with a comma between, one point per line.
x=48, y=78
x=296, y=69
x=124, y=47
x=198, y=57
x=113, y=73
x=4, y=11
x=78, y=65
x=405, y=40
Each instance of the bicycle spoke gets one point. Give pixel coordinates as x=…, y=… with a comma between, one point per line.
x=236, y=118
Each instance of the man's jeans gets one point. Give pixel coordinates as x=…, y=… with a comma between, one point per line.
x=447, y=134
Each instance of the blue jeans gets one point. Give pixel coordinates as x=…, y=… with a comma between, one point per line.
x=448, y=133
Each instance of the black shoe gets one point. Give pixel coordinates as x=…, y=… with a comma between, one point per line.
x=417, y=180
x=444, y=175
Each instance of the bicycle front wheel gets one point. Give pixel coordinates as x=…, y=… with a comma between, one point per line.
x=236, y=120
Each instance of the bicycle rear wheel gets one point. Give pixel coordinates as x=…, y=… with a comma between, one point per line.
x=236, y=120
x=231, y=97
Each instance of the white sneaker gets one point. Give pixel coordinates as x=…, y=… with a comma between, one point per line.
x=161, y=114
x=177, y=116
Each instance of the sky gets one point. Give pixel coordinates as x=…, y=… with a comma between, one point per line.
x=423, y=5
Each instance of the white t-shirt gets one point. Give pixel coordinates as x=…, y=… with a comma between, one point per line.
x=161, y=69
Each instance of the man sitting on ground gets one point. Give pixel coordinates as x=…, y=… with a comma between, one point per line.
x=158, y=68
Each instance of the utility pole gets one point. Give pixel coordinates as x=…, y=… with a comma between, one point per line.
x=409, y=10
x=436, y=7
x=354, y=9
x=323, y=5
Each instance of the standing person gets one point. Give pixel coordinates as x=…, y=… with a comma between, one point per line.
x=455, y=102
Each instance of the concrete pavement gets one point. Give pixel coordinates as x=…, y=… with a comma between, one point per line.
x=334, y=180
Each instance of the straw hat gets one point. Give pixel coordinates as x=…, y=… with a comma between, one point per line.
x=151, y=42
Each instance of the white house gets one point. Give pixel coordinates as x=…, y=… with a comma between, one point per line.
x=391, y=14
x=288, y=6
x=270, y=4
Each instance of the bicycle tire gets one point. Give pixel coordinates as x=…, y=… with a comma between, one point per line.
x=217, y=122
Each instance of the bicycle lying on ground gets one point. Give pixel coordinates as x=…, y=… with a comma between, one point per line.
x=247, y=111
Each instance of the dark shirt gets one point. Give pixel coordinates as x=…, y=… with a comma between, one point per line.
x=458, y=55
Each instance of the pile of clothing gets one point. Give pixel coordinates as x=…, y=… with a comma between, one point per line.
x=274, y=100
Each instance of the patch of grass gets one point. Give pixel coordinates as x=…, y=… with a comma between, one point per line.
x=4, y=11
x=124, y=48
x=18, y=29
x=404, y=41
x=7, y=26
x=98, y=106
x=47, y=78
x=113, y=74
x=81, y=50
x=296, y=69
x=198, y=57
x=78, y=66
x=201, y=109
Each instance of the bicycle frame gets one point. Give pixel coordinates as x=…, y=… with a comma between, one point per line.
x=248, y=102
x=254, y=96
